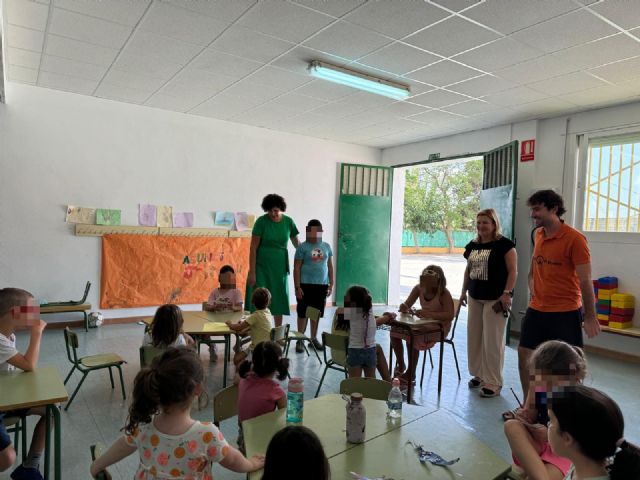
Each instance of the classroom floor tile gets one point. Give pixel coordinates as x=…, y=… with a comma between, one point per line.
x=98, y=412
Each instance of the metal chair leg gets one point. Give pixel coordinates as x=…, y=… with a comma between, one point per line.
x=75, y=392
x=321, y=380
x=430, y=358
x=69, y=376
x=455, y=357
x=424, y=360
x=86, y=321
x=315, y=350
x=111, y=378
x=124, y=395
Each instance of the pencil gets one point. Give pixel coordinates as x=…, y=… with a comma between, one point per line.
x=516, y=397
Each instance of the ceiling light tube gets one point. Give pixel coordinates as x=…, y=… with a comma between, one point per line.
x=361, y=81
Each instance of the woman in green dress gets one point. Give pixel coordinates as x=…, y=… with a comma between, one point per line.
x=269, y=257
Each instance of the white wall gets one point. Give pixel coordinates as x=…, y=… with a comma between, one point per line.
x=554, y=167
x=59, y=148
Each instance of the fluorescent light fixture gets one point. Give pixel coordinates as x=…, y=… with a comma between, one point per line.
x=358, y=80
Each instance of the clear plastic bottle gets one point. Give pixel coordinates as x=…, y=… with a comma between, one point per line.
x=394, y=402
x=356, y=419
x=295, y=400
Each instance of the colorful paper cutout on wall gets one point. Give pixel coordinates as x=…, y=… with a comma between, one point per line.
x=242, y=221
x=147, y=215
x=150, y=270
x=81, y=215
x=224, y=219
x=164, y=217
x=106, y=216
x=183, y=219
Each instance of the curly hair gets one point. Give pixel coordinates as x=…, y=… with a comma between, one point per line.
x=273, y=200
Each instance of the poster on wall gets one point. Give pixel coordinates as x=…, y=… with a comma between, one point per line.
x=164, y=218
x=183, y=219
x=150, y=270
x=106, y=216
x=81, y=215
x=147, y=215
x=224, y=219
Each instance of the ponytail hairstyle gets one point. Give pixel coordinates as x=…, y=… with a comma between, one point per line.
x=359, y=297
x=555, y=357
x=596, y=423
x=292, y=450
x=171, y=380
x=166, y=325
x=266, y=360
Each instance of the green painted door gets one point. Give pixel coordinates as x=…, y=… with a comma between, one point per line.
x=364, y=230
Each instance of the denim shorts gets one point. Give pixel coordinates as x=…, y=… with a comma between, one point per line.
x=5, y=439
x=361, y=357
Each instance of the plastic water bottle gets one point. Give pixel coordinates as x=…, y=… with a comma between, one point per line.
x=295, y=400
x=356, y=419
x=394, y=402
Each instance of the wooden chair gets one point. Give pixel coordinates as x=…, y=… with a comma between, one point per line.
x=338, y=361
x=96, y=451
x=313, y=314
x=368, y=387
x=148, y=353
x=17, y=425
x=225, y=404
x=89, y=363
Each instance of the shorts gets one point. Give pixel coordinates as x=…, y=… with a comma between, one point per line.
x=538, y=327
x=314, y=295
x=547, y=456
x=5, y=439
x=361, y=357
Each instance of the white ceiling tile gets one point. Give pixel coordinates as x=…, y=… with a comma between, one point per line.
x=184, y=25
x=298, y=102
x=619, y=71
x=81, y=51
x=515, y=96
x=361, y=119
x=168, y=102
x=402, y=109
x=438, y=38
x=471, y=107
x=146, y=64
x=284, y=20
x=278, y=78
x=121, y=78
x=219, y=62
x=23, y=58
x=347, y=41
x=457, y=5
x=25, y=13
x=65, y=66
x=438, y=98
x=253, y=91
x=600, y=52
x=223, y=10
x=24, y=38
x=563, y=32
x=123, y=12
x=298, y=60
x=497, y=117
x=168, y=49
x=398, y=58
x=606, y=94
x=444, y=73
x=333, y=8
x=267, y=114
x=437, y=117
x=88, y=29
x=508, y=16
x=249, y=44
x=190, y=93
x=339, y=109
x=203, y=80
x=484, y=85
x=545, y=107
x=536, y=69
x=498, y=54
x=67, y=83
x=122, y=93
x=397, y=18
x=16, y=73
x=621, y=12
x=303, y=122
x=572, y=82
x=325, y=90
x=225, y=106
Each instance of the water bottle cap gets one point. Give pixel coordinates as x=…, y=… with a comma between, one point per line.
x=356, y=397
x=395, y=382
x=296, y=384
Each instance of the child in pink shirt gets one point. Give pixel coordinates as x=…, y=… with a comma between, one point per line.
x=258, y=393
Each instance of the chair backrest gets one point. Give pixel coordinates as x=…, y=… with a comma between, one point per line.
x=313, y=314
x=280, y=333
x=456, y=308
x=338, y=345
x=86, y=292
x=368, y=387
x=225, y=404
x=96, y=451
x=148, y=353
x=71, y=344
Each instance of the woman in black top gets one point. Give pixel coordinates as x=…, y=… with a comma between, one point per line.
x=489, y=280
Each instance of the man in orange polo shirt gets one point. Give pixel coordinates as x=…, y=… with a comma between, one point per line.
x=559, y=283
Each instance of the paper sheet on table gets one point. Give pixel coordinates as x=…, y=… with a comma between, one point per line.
x=215, y=327
x=105, y=216
x=81, y=215
x=147, y=215
x=164, y=216
x=223, y=219
x=183, y=219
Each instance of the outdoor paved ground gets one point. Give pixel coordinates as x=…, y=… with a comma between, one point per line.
x=412, y=265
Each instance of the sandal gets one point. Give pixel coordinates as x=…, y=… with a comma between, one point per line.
x=475, y=382
x=487, y=392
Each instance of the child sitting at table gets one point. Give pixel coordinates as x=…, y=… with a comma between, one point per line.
x=258, y=324
x=296, y=452
x=165, y=329
x=258, y=393
x=18, y=310
x=363, y=354
x=169, y=442
x=436, y=303
x=7, y=452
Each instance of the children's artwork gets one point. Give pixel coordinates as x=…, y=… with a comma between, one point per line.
x=431, y=457
x=242, y=221
x=251, y=220
x=147, y=215
x=183, y=219
x=81, y=215
x=164, y=216
x=105, y=216
x=224, y=219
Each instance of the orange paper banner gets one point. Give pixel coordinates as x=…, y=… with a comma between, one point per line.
x=150, y=270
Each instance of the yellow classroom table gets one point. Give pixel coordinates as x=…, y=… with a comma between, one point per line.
x=41, y=387
x=326, y=416
x=211, y=323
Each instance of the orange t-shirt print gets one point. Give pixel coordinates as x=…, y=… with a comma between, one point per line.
x=556, y=285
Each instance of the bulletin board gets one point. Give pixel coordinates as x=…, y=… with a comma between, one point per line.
x=149, y=270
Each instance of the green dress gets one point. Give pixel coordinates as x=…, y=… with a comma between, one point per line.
x=272, y=261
